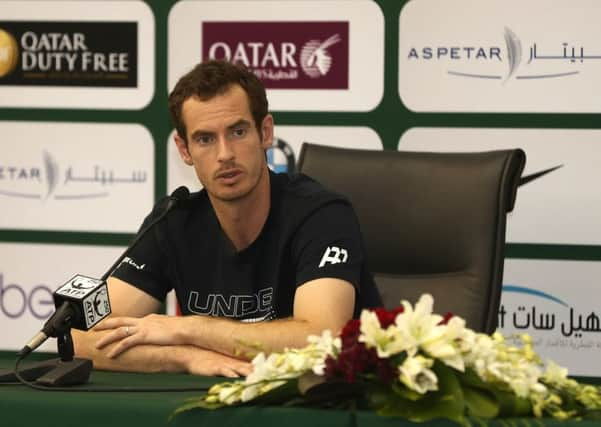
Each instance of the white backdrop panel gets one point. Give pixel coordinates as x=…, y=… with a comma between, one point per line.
x=562, y=207
x=75, y=176
x=556, y=303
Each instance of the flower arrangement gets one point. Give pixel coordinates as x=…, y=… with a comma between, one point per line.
x=414, y=364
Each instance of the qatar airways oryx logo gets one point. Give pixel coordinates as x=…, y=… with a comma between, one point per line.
x=285, y=55
x=511, y=58
x=49, y=179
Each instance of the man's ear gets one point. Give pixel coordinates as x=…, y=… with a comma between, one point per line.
x=182, y=148
x=267, y=131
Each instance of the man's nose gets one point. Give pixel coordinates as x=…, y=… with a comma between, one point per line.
x=224, y=150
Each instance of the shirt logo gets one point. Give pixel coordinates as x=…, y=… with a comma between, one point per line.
x=128, y=260
x=333, y=255
x=259, y=305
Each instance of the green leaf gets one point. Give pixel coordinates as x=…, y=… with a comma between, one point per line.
x=378, y=395
x=471, y=378
x=508, y=403
x=405, y=392
x=308, y=381
x=315, y=389
x=480, y=403
x=511, y=405
x=592, y=414
x=278, y=395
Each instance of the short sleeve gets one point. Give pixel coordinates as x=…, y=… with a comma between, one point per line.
x=145, y=267
x=328, y=244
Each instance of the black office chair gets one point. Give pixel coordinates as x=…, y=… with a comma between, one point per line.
x=432, y=222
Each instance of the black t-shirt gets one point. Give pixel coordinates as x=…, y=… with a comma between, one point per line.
x=310, y=233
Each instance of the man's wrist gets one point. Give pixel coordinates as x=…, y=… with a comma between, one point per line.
x=191, y=330
x=181, y=357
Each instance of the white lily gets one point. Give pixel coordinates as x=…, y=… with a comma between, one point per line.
x=386, y=341
x=555, y=374
x=416, y=374
x=448, y=347
x=325, y=345
x=419, y=328
x=230, y=393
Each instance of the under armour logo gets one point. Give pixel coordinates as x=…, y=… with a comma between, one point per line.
x=333, y=255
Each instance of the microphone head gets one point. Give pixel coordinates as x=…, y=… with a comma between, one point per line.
x=88, y=300
x=180, y=194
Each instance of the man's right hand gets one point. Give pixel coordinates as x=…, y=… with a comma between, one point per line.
x=210, y=363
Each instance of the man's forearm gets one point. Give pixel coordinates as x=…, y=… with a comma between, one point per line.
x=318, y=304
x=244, y=340
x=144, y=358
x=159, y=358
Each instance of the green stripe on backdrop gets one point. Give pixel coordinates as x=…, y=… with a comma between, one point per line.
x=562, y=252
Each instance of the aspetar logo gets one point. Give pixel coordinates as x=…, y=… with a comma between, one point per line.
x=285, y=55
x=40, y=53
x=9, y=53
x=510, y=59
x=49, y=179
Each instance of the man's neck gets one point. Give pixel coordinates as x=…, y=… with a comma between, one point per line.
x=242, y=220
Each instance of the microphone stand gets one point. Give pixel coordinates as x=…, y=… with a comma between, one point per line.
x=63, y=371
x=67, y=370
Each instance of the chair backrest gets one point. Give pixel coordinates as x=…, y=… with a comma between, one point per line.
x=432, y=222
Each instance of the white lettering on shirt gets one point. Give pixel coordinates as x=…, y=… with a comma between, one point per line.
x=237, y=306
x=333, y=255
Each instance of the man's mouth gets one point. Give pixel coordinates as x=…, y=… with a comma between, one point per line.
x=228, y=175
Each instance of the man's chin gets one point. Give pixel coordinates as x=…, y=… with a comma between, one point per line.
x=231, y=194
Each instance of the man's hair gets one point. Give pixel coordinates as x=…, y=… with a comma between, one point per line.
x=211, y=78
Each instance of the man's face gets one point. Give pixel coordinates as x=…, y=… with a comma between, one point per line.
x=224, y=146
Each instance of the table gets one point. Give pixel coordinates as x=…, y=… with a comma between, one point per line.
x=22, y=406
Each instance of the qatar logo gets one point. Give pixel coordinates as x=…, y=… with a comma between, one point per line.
x=284, y=55
x=9, y=53
x=70, y=53
x=316, y=60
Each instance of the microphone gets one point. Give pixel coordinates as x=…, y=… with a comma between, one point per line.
x=82, y=302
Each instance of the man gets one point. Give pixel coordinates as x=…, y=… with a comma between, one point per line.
x=258, y=261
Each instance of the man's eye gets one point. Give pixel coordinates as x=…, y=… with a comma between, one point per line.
x=204, y=139
x=239, y=132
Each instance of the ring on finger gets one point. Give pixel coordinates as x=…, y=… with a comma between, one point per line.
x=127, y=331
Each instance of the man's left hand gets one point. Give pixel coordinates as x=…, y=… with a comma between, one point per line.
x=128, y=332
